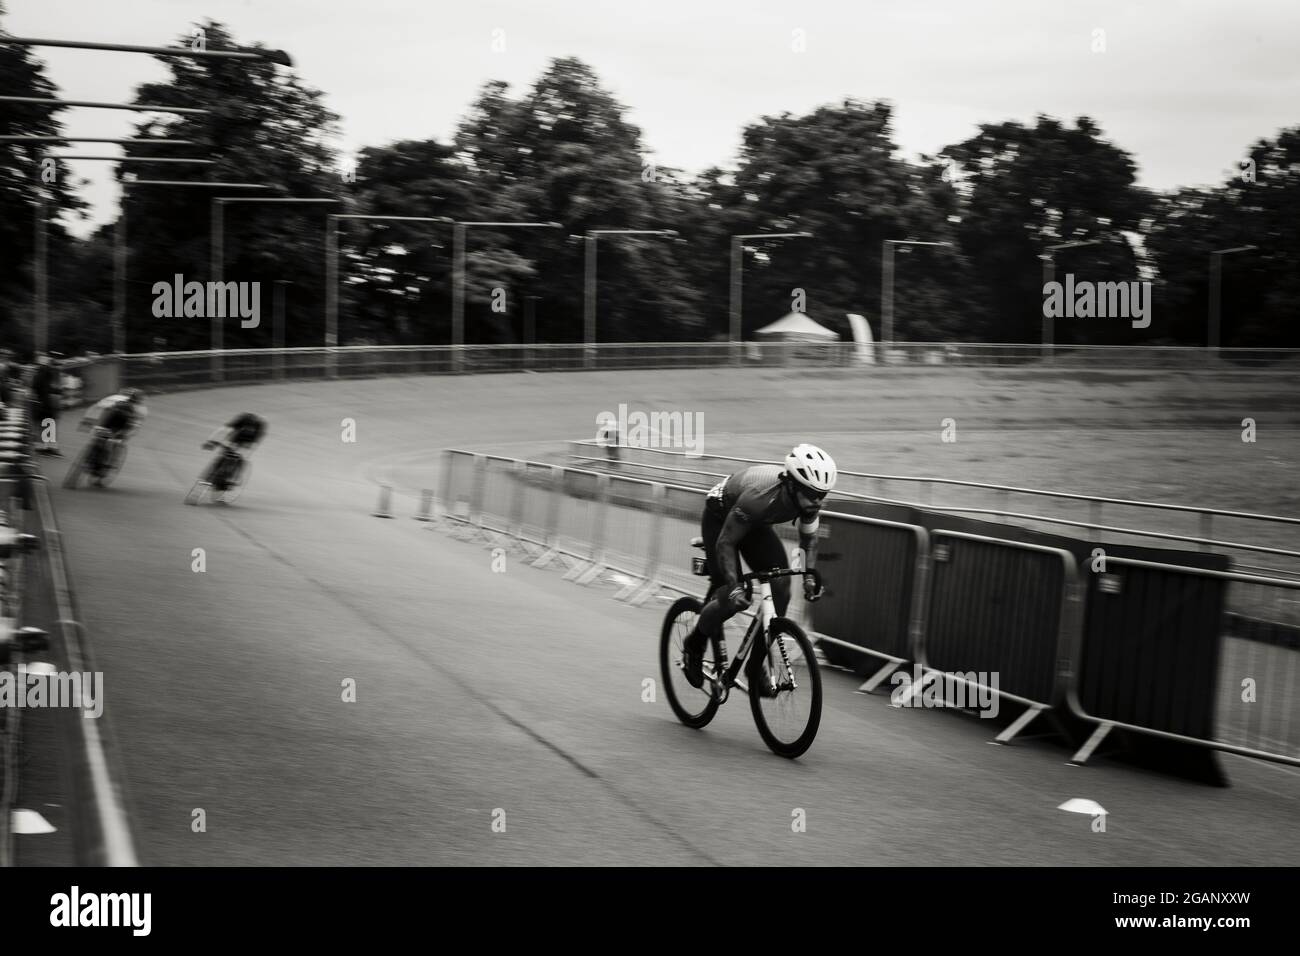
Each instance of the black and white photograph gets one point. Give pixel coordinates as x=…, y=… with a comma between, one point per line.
x=607, y=442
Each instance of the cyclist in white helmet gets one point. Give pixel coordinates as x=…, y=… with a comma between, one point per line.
x=738, y=517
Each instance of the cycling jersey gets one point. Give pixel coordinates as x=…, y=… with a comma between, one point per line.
x=118, y=415
x=745, y=506
x=758, y=496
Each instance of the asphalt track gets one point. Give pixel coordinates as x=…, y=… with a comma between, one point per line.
x=479, y=691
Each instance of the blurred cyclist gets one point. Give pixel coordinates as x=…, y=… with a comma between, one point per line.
x=120, y=415
x=738, y=517
x=238, y=437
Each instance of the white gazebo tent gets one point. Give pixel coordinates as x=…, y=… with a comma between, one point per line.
x=796, y=327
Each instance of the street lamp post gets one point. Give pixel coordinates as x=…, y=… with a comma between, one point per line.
x=332, y=275
x=119, y=249
x=589, y=283
x=530, y=328
x=1049, y=276
x=41, y=265
x=42, y=284
x=1216, y=295
x=887, y=290
x=458, y=279
x=277, y=340
x=218, y=251
x=274, y=56
x=734, y=333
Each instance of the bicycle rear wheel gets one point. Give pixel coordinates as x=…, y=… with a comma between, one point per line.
x=694, y=706
x=113, y=458
x=787, y=705
x=236, y=477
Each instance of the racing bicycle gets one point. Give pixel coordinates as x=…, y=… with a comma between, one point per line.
x=100, y=459
x=224, y=477
x=782, y=679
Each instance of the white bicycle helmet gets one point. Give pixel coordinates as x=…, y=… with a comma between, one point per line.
x=812, y=468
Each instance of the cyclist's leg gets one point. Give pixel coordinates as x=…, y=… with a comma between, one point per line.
x=716, y=609
x=762, y=550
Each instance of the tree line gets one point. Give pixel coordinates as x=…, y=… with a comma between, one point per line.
x=563, y=150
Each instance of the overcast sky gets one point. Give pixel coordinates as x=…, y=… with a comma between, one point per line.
x=1184, y=86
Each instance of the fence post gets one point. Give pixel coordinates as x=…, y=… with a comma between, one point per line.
x=515, y=522
x=658, y=494
x=446, y=494
x=552, y=535
x=598, y=516
x=476, y=500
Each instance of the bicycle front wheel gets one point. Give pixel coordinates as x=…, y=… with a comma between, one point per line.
x=76, y=467
x=787, y=700
x=694, y=706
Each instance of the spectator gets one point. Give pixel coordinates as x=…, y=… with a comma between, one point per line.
x=47, y=390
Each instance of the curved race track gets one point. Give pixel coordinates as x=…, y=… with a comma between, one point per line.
x=477, y=690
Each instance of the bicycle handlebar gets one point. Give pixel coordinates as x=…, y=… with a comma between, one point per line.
x=748, y=579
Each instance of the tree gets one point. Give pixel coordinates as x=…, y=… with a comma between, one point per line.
x=26, y=172
x=263, y=127
x=1261, y=207
x=834, y=173
x=564, y=153
x=1025, y=188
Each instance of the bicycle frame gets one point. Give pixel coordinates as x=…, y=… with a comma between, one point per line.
x=760, y=624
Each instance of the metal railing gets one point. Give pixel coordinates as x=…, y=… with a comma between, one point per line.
x=703, y=471
x=242, y=366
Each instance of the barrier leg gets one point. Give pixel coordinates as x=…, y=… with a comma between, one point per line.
x=426, y=506
x=879, y=677
x=552, y=534
x=652, y=583
x=1081, y=756
x=1019, y=724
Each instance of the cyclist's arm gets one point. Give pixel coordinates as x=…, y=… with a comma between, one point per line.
x=220, y=435
x=733, y=531
x=808, y=525
x=95, y=411
x=137, y=419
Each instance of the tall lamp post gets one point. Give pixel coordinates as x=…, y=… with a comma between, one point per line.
x=42, y=239
x=218, y=252
x=589, y=283
x=887, y=290
x=119, y=247
x=42, y=245
x=734, y=334
x=332, y=275
x=1216, y=294
x=1049, y=276
x=458, y=278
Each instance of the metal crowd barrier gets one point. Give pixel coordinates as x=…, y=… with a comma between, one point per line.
x=959, y=605
x=1196, y=689
x=1003, y=608
x=883, y=621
